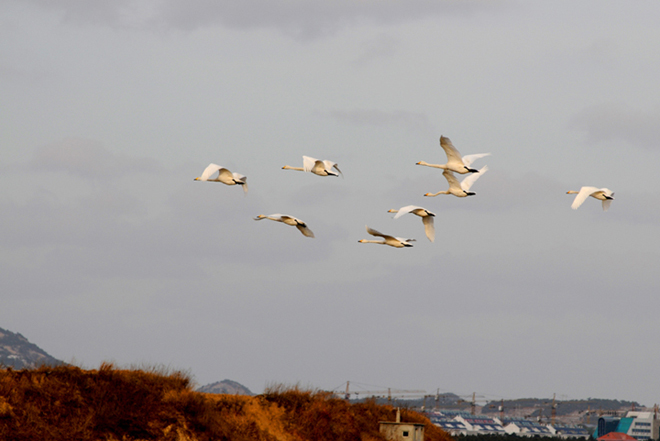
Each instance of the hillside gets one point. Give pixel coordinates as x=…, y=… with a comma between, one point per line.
x=17, y=352
x=69, y=403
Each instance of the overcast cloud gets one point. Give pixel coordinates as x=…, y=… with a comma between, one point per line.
x=112, y=252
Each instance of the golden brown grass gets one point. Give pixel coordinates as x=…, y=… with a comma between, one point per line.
x=110, y=404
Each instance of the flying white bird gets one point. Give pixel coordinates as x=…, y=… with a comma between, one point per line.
x=427, y=218
x=454, y=161
x=602, y=194
x=463, y=189
x=289, y=220
x=317, y=166
x=396, y=242
x=224, y=176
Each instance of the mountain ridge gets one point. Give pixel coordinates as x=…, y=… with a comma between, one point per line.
x=18, y=353
x=225, y=387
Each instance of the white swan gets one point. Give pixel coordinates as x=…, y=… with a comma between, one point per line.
x=427, y=218
x=321, y=167
x=461, y=189
x=396, y=242
x=454, y=161
x=289, y=220
x=224, y=176
x=602, y=194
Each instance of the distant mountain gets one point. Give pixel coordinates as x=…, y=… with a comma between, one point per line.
x=584, y=412
x=18, y=353
x=533, y=407
x=225, y=387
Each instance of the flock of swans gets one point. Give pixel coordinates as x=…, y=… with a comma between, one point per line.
x=455, y=164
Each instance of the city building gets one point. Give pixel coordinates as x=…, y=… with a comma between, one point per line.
x=568, y=431
x=447, y=423
x=522, y=427
x=480, y=425
x=640, y=425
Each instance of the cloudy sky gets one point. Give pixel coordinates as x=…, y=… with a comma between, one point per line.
x=110, y=251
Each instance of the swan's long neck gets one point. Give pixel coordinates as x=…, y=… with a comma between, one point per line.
x=288, y=167
x=572, y=192
x=442, y=166
x=435, y=194
x=263, y=216
x=371, y=241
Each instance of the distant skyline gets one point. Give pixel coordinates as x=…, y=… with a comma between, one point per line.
x=112, y=252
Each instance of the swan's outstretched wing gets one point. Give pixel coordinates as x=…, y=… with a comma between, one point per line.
x=471, y=179
x=208, y=171
x=606, y=204
x=469, y=159
x=302, y=227
x=453, y=182
x=289, y=220
x=378, y=233
x=405, y=210
x=329, y=165
x=241, y=178
x=225, y=175
x=450, y=150
x=403, y=242
x=308, y=163
x=429, y=227
x=582, y=196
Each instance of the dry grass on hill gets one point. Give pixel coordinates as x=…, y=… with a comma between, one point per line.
x=69, y=403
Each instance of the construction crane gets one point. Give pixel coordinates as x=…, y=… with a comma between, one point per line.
x=473, y=402
x=374, y=393
x=553, y=410
x=436, y=398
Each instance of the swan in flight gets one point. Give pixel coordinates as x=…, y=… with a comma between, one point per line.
x=224, y=176
x=289, y=220
x=454, y=161
x=463, y=189
x=426, y=215
x=396, y=242
x=602, y=194
x=321, y=167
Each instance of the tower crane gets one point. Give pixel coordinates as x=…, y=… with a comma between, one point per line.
x=388, y=392
x=473, y=402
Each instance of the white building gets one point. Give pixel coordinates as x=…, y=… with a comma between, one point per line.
x=643, y=425
x=447, y=423
x=481, y=425
x=524, y=427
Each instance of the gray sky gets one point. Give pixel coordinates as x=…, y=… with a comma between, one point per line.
x=111, y=252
